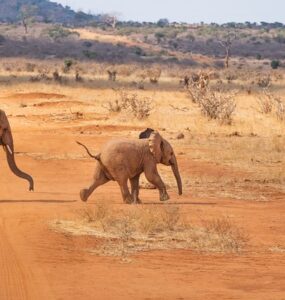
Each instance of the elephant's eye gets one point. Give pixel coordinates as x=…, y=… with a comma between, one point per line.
x=171, y=153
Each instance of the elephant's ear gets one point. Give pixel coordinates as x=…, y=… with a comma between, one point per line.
x=146, y=134
x=155, y=145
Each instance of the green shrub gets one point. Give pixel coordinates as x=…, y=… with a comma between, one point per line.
x=275, y=64
x=68, y=63
x=57, y=33
x=87, y=44
x=139, y=51
x=90, y=54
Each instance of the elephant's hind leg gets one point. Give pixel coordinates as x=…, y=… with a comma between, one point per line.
x=125, y=191
x=135, y=189
x=99, y=179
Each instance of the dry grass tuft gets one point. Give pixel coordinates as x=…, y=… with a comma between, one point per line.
x=277, y=249
x=224, y=235
x=141, y=229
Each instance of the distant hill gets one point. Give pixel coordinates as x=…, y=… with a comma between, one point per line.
x=43, y=11
x=42, y=28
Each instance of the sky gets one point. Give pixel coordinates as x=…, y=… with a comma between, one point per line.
x=191, y=11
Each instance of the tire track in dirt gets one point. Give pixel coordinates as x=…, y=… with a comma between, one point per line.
x=12, y=277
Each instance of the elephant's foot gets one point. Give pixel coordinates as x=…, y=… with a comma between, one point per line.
x=164, y=196
x=83, y=195
x=128, y=200
x=137, y=201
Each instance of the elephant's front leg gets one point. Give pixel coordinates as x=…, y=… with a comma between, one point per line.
x=135, y=189
x=153, y=177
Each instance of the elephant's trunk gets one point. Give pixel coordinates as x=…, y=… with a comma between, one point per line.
x=176, y=173
x=13, y=167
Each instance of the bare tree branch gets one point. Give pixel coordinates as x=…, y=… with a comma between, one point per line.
x=227, y=43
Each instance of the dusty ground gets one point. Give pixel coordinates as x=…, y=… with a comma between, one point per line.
x=240, y=177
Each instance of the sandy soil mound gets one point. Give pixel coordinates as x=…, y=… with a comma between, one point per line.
x=36, y=96
x=59, y=104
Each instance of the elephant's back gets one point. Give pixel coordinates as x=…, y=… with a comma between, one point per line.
x=119, y=154
x=123, y=145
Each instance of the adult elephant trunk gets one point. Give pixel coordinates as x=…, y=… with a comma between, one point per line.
x=7, y=141
x=176, y=173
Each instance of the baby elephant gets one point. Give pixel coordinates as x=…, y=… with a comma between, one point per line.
x=124, y=159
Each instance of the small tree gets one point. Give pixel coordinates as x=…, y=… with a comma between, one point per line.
x=111, y=19
x=227, y=43
x=275, y=64
x=163, y=22
x=67, y=65
x=27, y=14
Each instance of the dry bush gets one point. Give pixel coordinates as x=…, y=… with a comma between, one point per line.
x=197, y=86
x=200, y=80
x=30, y=67
x=277, y=76
x=231, y=76
x=269, y=103
x=153, y=80
x=131, y=103
x=139, y=85
x=126, y=70
x=280, y=110
x=112, y=75
x=78, y=77
x=214, y=105
x=220, y=106
x=214, y=76
x=114, y=106
x=264, y=81
x=265, y=102
x=56, y=76
x=154, y=75
x=140, y=108
x=195, y=93
x=41, y=77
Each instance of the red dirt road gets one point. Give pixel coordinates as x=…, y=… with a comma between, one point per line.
x=38, y=263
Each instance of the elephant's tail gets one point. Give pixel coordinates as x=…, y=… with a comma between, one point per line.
x=97, y=157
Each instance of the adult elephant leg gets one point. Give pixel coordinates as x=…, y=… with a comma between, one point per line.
x=135, y=189
x=99, y=179
x=153, y=177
